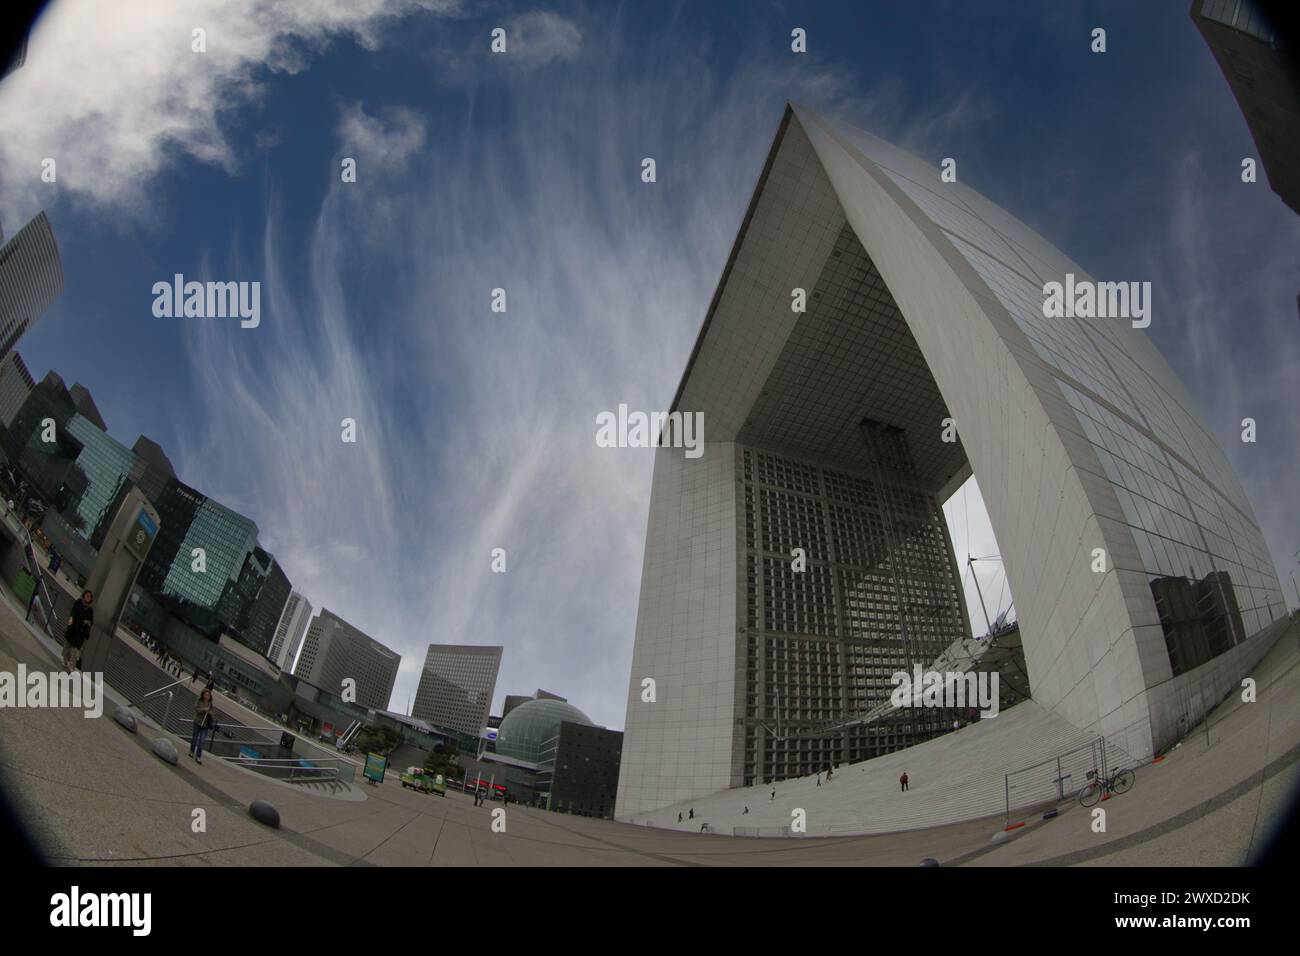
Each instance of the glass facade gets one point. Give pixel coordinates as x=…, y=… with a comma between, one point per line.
x=190, y=520
x=107, y=467
x=525, y=733
x=1187, y=512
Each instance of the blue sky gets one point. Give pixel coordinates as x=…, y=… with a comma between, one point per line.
x=475, y=429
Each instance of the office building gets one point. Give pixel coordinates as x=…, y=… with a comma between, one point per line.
x=205, y=566
x=86, y=406
x=156, y=468
x=578, y=769
x=16, y=383
x=253, y=603
x=289, y=631
x=456, y=686
x=334, y=651
x=514, y=700
x=31, y=277
x=1265, y=79
x=877, y=336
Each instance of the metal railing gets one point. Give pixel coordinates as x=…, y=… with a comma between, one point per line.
x=783, y=831
x=293, y=770
x=1055, y=779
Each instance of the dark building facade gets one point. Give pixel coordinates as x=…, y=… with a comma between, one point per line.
x=251, y=606
x=1200, y=618
x=86, y=406
x=1262, y=72
x=580, y=770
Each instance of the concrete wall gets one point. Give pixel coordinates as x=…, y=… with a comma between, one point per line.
x=681, y=745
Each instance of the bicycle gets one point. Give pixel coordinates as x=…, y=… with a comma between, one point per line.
x=1121, y=781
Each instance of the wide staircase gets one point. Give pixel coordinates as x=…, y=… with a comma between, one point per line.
x=963, y=775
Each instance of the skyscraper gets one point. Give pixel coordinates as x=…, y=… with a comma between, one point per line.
x=877, y=336
x=289, y=631
x=1262, y=74
x=16, y=383
x=252, y=604
x=156, y=468
x=31, y=277
x=457, y=685
x=334, y=651
x=198, y=556
x=86, y=406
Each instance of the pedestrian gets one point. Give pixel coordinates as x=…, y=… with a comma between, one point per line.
x=829, y=773
x=78, y=630
x=773, y=796
x=746, y=811
x=202, y=721
x=903, y=781
x=679, y=816
x=819, y=779
x=692, y=813
x=212, y=680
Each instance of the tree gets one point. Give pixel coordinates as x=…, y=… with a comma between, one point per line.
x=442, y=759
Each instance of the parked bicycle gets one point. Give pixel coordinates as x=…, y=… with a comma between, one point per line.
x=1121, y=781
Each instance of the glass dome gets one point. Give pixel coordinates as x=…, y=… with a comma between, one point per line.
x=526, y=729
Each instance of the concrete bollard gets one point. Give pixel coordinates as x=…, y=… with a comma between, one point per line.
x=164, y=749
x=1002, y=836
x=263, y=812
x=125, y=718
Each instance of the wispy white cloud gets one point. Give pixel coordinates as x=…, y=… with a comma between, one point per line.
x=113, y=91
x=477, y=429
x=542, y=37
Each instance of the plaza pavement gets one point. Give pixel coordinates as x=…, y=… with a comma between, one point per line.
x=90, y=793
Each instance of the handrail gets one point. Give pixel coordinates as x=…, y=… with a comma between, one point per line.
x=151, y=693
x=284, y=761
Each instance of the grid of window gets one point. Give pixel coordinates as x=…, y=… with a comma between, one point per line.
x=227, y=538
x=878, y=595
x=456, y=686
x=106, y=465
x=854, y=350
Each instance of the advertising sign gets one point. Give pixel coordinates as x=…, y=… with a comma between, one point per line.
x=140, y=538
x=375, y=767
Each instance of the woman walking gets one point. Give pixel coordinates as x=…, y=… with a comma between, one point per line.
x=78, y=630
x=202, y=722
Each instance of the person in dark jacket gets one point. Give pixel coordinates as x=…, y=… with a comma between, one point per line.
x=78, y=631
x=202, y=723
